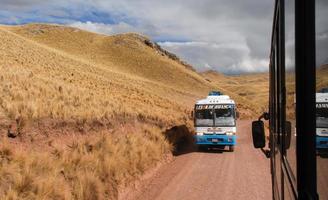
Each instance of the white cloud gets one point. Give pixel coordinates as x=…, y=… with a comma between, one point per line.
x=207, y=66
x=228, y=36
x=224, y=57
x=102, y=28
x=251, y=65
x=225, y=35
x=177, y=44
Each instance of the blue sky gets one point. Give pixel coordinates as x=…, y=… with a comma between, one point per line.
x=227, y=36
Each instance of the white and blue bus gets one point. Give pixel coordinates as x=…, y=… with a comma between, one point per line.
x=215, y=121
x=322, y=119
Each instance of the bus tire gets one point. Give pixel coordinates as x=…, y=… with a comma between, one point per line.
x=201, y=148
x=231, y=148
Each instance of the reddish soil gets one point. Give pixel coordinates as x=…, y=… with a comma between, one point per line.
x=214, y=174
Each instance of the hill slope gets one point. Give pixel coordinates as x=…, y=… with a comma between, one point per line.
x=83, y=119
x=88, y=111
x=249, y=91
x=124, y=75
x=40, y=81
x=128, y=53
x=322, y=77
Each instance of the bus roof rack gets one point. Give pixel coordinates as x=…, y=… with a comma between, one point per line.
x=323, y=90
x=215, y=93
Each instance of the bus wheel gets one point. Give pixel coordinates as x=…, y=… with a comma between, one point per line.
x=231, y=148
x=201, y=148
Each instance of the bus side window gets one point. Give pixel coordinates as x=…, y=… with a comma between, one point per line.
x=322, y=96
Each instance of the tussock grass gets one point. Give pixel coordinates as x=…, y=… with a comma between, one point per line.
x=56, y=74
x=41, y=83
x=126, y=53
x=36, y=82
x=49, y=71
x=85, y=170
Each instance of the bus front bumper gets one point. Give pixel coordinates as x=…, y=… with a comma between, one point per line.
x=322, y=142
x=229, y=140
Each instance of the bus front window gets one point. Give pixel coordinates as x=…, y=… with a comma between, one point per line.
x=224, y=117
x=204, y=117
x=322, y=116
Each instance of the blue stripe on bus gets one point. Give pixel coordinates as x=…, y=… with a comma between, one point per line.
x=322, y=142
x=222, y=139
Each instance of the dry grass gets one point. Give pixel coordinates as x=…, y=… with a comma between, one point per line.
x=37, y=82
x=322, y=77
x=58, y=75
x=125, y=53
x=249, y=91
x=86, y=170
x=41, y=83
x=64, y=73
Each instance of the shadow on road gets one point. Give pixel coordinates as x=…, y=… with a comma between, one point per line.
x=213, y=150
x=183, y=142
x=323, y=153
x=181, y=138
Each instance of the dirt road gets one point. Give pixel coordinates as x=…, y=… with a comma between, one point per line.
x=243, y=174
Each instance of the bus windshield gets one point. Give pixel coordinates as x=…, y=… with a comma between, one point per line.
x=204, y=117
x=215, y=115
x=224, y=117
x=322, y=115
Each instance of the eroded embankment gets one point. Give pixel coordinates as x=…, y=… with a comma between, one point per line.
x=86, y=162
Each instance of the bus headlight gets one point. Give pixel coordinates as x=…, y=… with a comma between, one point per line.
x=199, y=133
x=230, y=133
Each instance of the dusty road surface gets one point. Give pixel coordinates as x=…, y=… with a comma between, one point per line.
x=243, y=174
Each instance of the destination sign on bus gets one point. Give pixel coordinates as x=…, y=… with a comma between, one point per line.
x=322, y=105
x=218, y=106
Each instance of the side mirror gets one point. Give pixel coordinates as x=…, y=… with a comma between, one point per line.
x=258, y=134
x=288, y=134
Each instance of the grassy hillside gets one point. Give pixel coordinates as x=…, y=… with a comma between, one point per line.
x=249, y=91
x=322, y=77
x=128, y=53
x=90, y=113
x=80, y=102
x=40, y=81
